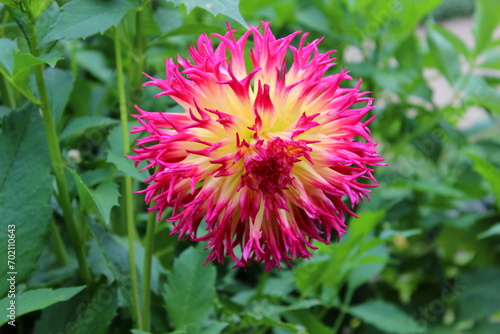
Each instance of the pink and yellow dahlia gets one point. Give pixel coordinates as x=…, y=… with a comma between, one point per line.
x=264, y=153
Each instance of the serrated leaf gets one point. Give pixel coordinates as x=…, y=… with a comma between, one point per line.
x=84, y=18
x=34, y=300
x=89, y=312
x=116, y=157
x=386, y=317
x=190, y=292
x=51, y=58
x=25, y=189
x=79, y=125
x=103, y=198
x=106, y=196
x=230, y=8
x=22, y=64
x=489, y=172
x=486, y=19
x=117, y=259
x=17, y=67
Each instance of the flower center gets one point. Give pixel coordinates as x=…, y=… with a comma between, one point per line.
x=268, y=168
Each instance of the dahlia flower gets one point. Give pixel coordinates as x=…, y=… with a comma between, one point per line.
x=265, y=153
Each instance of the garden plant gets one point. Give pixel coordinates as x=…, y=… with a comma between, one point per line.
x=253, y=166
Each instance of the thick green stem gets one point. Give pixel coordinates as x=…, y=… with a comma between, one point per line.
x=58, y=169
x=343, y=310
x=139, y=57
x=57, y=244
x=58, y=163
x=127, y=182
x=148, y=258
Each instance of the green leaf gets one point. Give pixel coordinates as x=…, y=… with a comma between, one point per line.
x=103, y=198
x=190, y=292
x=36, y=7
x=485, y=328
x=167, y=19
x=11, y=3
x=361, y=227
x=116, y=157
x=214, y=328
x=444, y=53
x=371, y=264
x=311, y=322
x=17, y=67
x=7, y=48
x=403, y=17
x=489, y=172
x=84, y=18
x=25, y=189
x=475, y=291
x=486, y=19
x=106, y=196
x=490, y=59
x=117, y=259
x=138, y=331
x=479, y=92
x=59, y=86
x=34, y=300
x=457, y=42
x=95, y=63
x=51, y=58
x=224, y=7
x=46, y=21
x=386, y=317
x=86, y=313
x=79, y=125
x=494, y=230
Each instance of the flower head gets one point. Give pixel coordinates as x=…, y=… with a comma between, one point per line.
x=264, y=153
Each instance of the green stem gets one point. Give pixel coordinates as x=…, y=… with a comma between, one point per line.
x=58, y=163
x=127, y=182
x=7, y=93
x=8, y=97
x=148, y=257
x=138, y=56
x=343, y=310
x=58, y=168
x=57, y=244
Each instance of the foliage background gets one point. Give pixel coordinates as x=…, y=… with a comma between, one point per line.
x=422, y=258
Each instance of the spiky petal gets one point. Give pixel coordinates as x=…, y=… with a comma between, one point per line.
x=264, y=154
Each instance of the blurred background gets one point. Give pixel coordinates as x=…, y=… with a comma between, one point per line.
x=424, y=255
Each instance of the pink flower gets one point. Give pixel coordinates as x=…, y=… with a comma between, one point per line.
x=265, y=151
